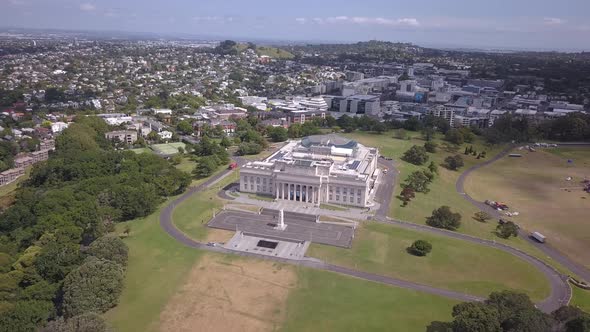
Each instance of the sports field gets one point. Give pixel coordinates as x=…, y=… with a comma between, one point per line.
x=167, y=148
x=536, y=186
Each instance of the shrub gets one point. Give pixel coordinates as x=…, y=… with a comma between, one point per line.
x=453, y=162
x=420, y=248
x=482, y=216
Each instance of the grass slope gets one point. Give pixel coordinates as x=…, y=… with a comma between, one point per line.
x=158, y=265
x=452, y=264
x=324, y=301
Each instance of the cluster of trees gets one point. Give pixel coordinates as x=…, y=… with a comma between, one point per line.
x=509, y=311
x=211, y=155
x=54, y=257
x=469, y=150
x=572, y=127
x=417, y=181
x=459, y=136
x=250, y=135
x=444, y=218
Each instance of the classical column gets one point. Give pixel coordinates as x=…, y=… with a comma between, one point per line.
x=308, y=196
x=313, y=194
x=276, y=190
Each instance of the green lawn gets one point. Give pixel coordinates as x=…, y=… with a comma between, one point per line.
x=442, y=190
x=191, y=215
x=157, y=267
x=452, y=264
x=325, y=301
x=581, y=298
x=142, y=150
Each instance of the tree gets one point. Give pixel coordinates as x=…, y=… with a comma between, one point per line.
x=444, y=218
x=56, y=260
x=205, y=167
x=110, y=248
x=454, y=136
x=407, y=195
x=25, y=315
x=87, y=322
x=247, y=148
x=95, y=286
x=580, y=324
x=184, y=127
x=225, y=142
x=416, y=155
x=482, y=216
x=430, y=146
x=475, y=317
x=507, y=230
x=420, y=248
x=453, y=162
x=278, y=134
x=418, y=181
x=294, y=130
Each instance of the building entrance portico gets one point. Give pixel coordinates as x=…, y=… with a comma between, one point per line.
x=297, y=192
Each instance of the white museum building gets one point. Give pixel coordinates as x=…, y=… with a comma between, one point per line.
x=317, y=169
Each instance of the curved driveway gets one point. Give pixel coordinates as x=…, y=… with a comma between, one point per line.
x=560, y=289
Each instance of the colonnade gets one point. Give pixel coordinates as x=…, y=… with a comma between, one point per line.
x=297, y=192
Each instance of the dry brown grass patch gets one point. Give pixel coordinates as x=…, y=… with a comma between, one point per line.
x=237, y=295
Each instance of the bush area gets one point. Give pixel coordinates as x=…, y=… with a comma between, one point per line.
x=511, y=311
x=56, y=258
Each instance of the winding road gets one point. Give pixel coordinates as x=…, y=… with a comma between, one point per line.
x=560, y=289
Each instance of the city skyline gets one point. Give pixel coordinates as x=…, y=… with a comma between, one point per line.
x=525, y=24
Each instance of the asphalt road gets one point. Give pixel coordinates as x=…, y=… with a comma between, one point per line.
x=546, y=248
x=560, y=289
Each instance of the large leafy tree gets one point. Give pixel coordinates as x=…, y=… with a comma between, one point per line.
x=443, y=217
x=111, y=248
x=93, y=286
x=416, y=155
x=475, y=317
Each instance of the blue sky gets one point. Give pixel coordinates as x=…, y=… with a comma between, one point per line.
x=536, y=24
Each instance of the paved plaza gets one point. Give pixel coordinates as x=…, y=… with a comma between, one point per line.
x=267, y=246
x=300, y=227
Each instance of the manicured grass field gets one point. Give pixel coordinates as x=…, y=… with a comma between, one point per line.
x=452, y=264
x=142, y=150
x=158, y=266
x=442, y=189
x=581, y=298
x=325, y=301
x=535, y=185
x=192, y=215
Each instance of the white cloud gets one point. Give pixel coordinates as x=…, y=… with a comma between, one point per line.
x=397, y=22
x=553, y=21
x=17, y=2
x=87, y=7
x=301, y=20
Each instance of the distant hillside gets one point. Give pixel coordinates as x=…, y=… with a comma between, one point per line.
x=231, y=47
x=273, y=52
